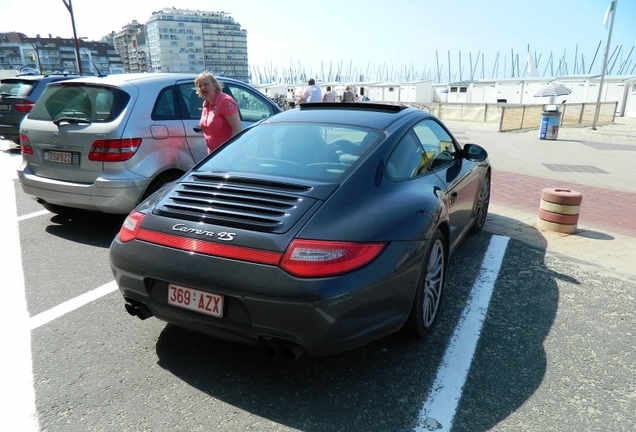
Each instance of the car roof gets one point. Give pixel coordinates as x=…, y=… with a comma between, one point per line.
x=25, y=78
x=371, y=115
x=154, y=77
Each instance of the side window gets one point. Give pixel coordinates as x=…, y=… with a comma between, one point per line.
x=165, y=107
x=437, y=143
x=252, y=107
x=408, y=159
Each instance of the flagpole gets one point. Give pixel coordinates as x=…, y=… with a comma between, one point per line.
x=600, y=88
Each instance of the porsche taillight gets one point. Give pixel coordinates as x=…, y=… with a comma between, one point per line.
x=317, y=258
x=114, y=150
x=130, y=227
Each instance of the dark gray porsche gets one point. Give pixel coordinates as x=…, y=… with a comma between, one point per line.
x=314, y=232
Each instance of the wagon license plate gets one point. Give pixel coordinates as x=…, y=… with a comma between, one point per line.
x=195, y=300
x=65, y=158
x=4, y=107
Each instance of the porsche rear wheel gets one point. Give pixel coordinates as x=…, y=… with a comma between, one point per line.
x=430, y=287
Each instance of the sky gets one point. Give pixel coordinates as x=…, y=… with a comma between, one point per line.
x=378, y=37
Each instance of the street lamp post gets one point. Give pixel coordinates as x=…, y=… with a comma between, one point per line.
x=69, y=6
x=612, y=11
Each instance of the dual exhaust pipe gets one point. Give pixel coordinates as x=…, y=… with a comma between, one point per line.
x=287, y=350
x=272, y=348
x=139, y=310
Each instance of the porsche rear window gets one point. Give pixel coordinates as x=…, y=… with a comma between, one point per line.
x=94, y=103
x=320, y=152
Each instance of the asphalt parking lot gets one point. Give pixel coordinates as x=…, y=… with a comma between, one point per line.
x=554, y=350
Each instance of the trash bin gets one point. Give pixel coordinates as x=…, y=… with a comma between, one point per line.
x=550, y=121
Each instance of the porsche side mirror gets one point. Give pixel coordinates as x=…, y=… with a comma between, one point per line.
x=475, y=152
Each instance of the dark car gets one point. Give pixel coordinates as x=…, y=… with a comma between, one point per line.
x=316, y=231
x=17, y=96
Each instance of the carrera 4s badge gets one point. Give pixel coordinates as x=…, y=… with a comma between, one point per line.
x=223, y=235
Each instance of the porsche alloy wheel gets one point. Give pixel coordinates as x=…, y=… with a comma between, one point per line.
x=482, y=206
x=430, y=287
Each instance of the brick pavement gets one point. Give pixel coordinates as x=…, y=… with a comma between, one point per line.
x=606, y=209
x=599, y=164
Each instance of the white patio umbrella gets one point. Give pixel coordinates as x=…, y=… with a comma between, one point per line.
x=553, y=89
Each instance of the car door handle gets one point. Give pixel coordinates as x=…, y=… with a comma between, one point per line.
x=197, y=129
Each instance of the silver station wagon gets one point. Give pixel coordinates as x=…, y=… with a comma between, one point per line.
x=106, y=143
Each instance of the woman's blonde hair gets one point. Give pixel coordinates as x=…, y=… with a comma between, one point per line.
x=215, y=83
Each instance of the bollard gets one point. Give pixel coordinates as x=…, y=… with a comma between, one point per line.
x=559, y=210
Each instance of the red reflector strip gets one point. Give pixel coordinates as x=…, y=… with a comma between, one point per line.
x=209, y=248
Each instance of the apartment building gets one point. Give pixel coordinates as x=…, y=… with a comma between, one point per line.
x=125, y=42
x=54, y=54
x=180, y=40
x=173, y=40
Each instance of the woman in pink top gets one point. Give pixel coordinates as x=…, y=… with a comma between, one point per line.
x=220, y=118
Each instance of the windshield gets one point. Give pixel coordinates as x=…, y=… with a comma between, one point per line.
x=322, y=152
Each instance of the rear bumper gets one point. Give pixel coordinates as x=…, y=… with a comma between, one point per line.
x=104, y=195
x=262, y=302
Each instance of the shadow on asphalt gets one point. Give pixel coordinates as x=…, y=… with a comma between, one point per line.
x=90, y=228
x=383, y=385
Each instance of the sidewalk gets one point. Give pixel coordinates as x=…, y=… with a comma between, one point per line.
x=597, y=163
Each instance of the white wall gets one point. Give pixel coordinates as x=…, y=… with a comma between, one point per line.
x=391, y=93
x=417, y=92
x=508, y=91
x=630, y=102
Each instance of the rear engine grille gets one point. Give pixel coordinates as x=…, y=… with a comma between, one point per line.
x=239, y=202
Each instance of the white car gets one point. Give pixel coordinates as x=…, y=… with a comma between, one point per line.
x=106, y=143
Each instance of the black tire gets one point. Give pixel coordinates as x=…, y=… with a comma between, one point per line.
x=430, y=287
x=162, y=179
x=481, y=211
x=60, y=210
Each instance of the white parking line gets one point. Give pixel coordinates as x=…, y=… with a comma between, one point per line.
x=17, y=396
x=70, y=305
x=440, y=407
x=32, y=215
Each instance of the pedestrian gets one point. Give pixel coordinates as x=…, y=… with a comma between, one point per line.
x=348, y=95
x=220, y=119
x=311, y=94
x=329, y=96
